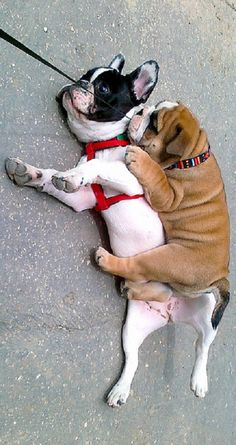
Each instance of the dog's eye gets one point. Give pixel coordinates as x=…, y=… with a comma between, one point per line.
x=103, y=88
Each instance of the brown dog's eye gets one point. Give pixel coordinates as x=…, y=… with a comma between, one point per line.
x=178, y=129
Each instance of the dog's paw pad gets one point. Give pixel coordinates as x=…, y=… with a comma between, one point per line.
x=18, y=171
x=58, y=182
x=63, y=184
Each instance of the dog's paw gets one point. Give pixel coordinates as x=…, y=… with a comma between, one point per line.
x=118, y=395
x=21, y=173
x=135, y=158
x=199, y=383
x=63, y=183
x=72, y=180
x=125, y=290
x=102, y=258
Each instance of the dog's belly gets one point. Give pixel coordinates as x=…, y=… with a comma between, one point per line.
x=133, y=227
x=177, y=309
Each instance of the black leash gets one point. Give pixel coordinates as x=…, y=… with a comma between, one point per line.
x=25, y=49
x=31, y=53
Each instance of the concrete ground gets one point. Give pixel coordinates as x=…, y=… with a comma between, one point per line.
x=60, y=317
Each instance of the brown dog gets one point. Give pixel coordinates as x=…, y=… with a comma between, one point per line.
x=189, y=197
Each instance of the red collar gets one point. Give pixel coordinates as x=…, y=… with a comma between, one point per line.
x=103, y=203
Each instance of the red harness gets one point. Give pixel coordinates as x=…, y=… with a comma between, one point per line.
x=104, y=203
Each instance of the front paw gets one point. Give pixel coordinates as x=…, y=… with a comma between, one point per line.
x=63, y=183
x=21, y=173
x=135, y=159
x=70, y=182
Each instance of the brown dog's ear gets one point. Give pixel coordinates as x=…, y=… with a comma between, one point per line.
x=184, y=132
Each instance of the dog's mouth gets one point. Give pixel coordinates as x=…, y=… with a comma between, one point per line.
x=75, y=106
x=77, y=99
x=80, y=110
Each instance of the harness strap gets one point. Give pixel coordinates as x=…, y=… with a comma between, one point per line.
x=103, y=203
x=92, y=147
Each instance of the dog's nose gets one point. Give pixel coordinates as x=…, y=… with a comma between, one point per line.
x=83, y=84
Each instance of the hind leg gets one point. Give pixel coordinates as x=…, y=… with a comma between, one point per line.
x=24, y=174
x=140, y=322
x=198, y=312
x=150, y=291
x=206, y=335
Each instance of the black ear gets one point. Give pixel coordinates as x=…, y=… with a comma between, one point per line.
x=143, y=80
x=117, y=63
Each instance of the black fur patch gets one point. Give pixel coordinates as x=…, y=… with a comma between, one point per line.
x=219, y=309
x=114, y=94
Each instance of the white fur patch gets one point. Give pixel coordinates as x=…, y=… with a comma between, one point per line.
x=166, y=104
x=98, y=72
x=87, y=130
x=145, y=122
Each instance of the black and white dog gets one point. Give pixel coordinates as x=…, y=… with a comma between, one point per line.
x=99, y=108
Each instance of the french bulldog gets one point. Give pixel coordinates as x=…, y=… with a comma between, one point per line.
x=99, y=108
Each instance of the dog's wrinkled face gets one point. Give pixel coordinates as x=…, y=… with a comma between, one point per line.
x=105, y=95
x=168, y=132
x=146, y=120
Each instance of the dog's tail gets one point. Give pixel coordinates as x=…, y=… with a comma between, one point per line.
x=223, y=295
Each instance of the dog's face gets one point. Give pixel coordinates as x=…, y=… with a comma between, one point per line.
x=104, y=95
x=168, y=133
